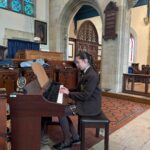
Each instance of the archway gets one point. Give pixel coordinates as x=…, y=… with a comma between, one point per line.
x=111, y=49
x=67, y=14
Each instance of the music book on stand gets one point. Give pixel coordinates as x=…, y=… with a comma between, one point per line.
x=50, y=88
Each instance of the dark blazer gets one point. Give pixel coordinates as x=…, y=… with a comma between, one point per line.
x=88, y=95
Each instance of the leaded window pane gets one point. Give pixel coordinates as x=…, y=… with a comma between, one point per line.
x=28, y=8
x=28, y=1
x=3, y=3
x=16, y=5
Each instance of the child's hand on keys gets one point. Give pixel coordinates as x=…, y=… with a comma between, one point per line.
x=64, y=90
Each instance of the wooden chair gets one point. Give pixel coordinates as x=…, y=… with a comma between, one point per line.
x=93, y=122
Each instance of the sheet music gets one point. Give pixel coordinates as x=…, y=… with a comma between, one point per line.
x=60, y=96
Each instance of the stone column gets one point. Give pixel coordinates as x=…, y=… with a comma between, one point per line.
x=55, y=9
x=115, y=52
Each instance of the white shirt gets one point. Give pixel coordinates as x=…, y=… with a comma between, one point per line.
x=86, y=68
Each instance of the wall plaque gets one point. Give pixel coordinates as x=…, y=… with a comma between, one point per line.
x=110, y=21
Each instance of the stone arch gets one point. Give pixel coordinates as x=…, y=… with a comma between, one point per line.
x=67, y=14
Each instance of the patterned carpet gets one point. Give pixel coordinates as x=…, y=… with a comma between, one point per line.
x=119, y=113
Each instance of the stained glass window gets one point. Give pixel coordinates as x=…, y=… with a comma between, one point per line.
x=28, y=7
x=28, y=1
x=20, y=6
x=3, y=4
x=15, y=5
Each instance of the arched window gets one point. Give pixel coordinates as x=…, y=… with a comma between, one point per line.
x=131, y=49
x=26, y=7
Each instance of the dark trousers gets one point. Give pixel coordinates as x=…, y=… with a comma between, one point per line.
x=44, y=125
x=67, y=126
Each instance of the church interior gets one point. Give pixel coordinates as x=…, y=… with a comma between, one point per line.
x=116, y=33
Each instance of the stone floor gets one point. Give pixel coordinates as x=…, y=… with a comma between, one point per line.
x=133, y=136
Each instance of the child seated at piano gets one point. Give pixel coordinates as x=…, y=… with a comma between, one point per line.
x=87, y=98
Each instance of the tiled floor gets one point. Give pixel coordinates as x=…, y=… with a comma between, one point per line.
x=120, y=112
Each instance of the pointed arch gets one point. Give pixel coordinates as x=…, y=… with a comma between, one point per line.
x=67, y=14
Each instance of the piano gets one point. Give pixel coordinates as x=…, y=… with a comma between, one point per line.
x=26, y=112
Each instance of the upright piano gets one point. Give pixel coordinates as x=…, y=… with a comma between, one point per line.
x=27, y=110
x=26, y=113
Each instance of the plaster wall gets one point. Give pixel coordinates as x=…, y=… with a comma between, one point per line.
x=142, y=32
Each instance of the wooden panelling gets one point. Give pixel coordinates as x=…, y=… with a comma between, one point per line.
x=32, y=54
x=87, y=40
x=64, y=72
x=8, y=79
x=3, y=120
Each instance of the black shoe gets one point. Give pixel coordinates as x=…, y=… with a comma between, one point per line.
x=61, y=146
x=45, y=140
x=77, y=141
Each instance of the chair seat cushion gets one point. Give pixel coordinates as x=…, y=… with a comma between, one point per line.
x=100, y=118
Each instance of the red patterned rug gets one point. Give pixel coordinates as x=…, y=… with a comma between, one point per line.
x=118, y=111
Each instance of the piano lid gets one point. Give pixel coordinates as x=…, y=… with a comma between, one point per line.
x=33, y=88
x=40, y=74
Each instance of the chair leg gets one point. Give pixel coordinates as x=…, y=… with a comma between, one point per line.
x=97, y=132
x=82, y=145
x=106, y=144
x=79, y=126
